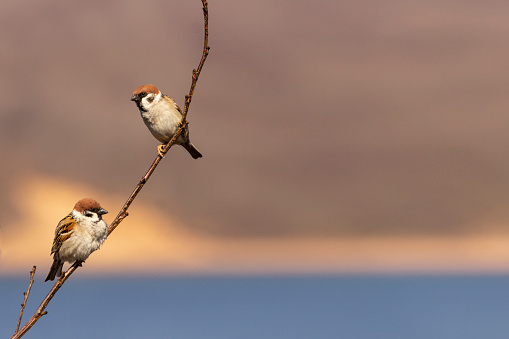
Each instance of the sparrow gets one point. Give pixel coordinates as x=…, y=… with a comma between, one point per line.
x=77, y=235
x=162, y=116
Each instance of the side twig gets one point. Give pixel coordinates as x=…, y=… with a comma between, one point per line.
x=123, y=212
x=41, y=310
x=25, y=295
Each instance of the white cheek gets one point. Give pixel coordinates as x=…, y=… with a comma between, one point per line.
x=145, y=103
x=150, y=101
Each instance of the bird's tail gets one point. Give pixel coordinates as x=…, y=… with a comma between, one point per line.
x=192, y=150
x=55, y=270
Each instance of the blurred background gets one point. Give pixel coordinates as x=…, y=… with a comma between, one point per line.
x=340, y=138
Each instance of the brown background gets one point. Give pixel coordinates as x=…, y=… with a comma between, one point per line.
x=317, y=120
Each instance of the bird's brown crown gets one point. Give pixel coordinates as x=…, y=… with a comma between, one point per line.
x=87, y=204
x=146, y=89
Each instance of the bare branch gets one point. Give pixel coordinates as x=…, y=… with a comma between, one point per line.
x=123, y=212
x=196, y=74
x=25, y=295
x=205, y=53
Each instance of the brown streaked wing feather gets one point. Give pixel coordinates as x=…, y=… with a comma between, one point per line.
x=64, y=230
x=171, y=100
x=178, y=108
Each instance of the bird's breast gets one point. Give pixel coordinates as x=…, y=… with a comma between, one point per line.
x=162, y=124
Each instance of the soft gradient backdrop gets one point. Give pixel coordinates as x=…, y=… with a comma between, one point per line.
x=337, y=135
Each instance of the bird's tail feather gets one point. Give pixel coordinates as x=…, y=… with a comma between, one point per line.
x=55, y=270
x=192, y=150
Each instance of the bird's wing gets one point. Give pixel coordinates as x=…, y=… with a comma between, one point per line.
x=173, y=102
x=64, y=230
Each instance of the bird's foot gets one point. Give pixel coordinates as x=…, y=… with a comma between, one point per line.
x=160, y=150
x=78, y=263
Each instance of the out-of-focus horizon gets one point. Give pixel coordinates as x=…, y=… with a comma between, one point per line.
x=337, y=136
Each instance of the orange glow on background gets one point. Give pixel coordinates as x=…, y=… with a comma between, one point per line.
x=151, y=242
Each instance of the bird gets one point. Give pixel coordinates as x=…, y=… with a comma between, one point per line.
x=162, y=116
x=77, y=235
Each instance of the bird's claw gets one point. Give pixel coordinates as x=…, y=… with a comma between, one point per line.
x=79, y=263
x=160, y=150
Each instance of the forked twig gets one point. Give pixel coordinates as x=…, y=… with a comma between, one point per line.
x=41, y=309
x=25, y=297
x=123, y=212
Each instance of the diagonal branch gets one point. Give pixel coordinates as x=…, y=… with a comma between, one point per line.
x=123, y=212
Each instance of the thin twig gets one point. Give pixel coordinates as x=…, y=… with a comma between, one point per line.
x=123, y=212
x=205, y=53
x=25, y=297
x=196, y=74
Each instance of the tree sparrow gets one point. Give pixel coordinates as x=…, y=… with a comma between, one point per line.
x=77, y=235
x=162, y=116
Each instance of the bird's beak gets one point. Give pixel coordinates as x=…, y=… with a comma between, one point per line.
x=134, y=98
x=102, y=211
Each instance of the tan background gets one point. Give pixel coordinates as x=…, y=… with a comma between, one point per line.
x=337, y=136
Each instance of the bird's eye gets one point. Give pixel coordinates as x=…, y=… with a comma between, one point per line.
x=143, y=94
x=89, y=214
